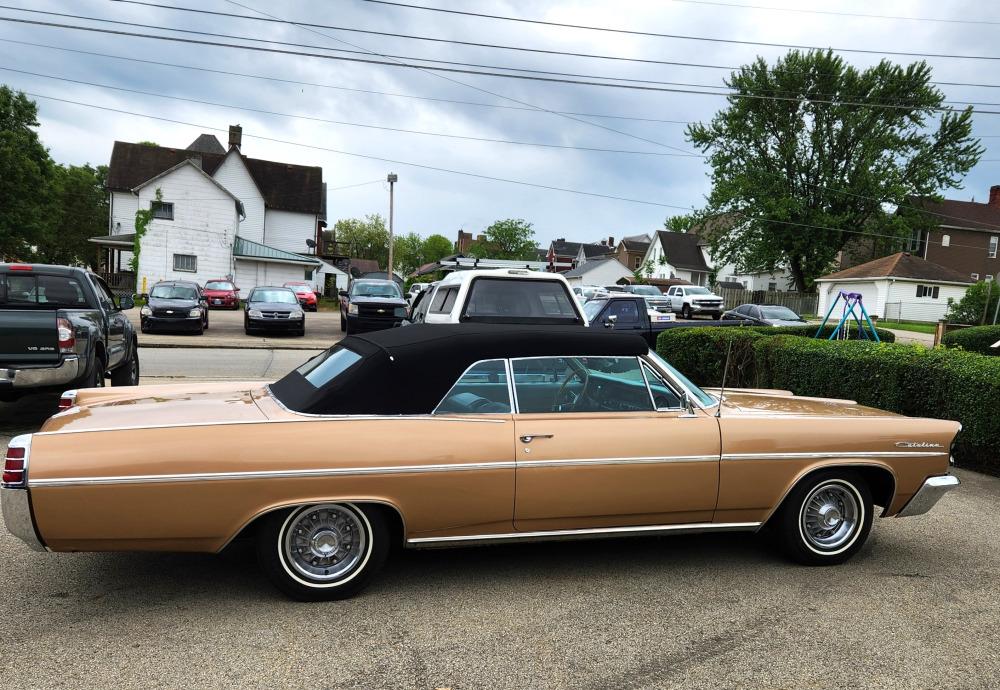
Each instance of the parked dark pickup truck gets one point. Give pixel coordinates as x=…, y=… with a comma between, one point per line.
x=61, y=328
x=625, y=312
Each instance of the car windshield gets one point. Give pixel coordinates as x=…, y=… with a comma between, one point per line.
x=780, y=314
x=299, y=289
x=593, y=308
x=704, y=398
x=375, y=288
x=698, y=291
x=173, y=292
x=218, y=285
x=646, y=290
x=274, y=296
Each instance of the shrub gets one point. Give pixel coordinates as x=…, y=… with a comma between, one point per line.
x=973, y=305
x=810, y=331
x=975, y=339
x=700, y=352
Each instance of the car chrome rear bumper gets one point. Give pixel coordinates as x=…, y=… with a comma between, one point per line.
x=929, y=494
x=17, y=517
x=67, y=370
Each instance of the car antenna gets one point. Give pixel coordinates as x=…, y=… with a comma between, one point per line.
x=725, y=372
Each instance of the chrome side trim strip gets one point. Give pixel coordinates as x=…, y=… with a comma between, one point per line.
x=595, y=532
x=268, y=474
x=569, y=462
x=840, y=454
x=316, y=418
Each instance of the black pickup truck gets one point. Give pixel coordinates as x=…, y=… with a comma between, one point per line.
x=62, y=328
x=625, y=312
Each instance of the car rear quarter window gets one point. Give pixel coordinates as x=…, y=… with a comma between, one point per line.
x=327, y=366
x=444, y=300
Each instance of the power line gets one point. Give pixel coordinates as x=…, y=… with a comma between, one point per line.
x=495, y=46
x=394, y=63
x=478, y=104
x=448, y=170
x=351, y=124
x=634, y=32
x=839, y=13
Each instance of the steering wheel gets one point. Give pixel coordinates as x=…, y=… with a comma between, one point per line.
x=571, y=398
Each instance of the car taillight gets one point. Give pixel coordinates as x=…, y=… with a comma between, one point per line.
x=67, y=400
x=19, y=267
x=13, y=468
x=67, y=339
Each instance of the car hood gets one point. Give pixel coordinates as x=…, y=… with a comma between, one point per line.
x=273, y=306
x=169, y=404
x=180, y=304
x=395, y=301
x=749, y=402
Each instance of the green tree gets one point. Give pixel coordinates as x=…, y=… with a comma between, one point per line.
x=79, y=212
x=506, y=239
x=643, y=273
x=368, y=237
x=813, y=158
x=681, y=223
x=26, y=173
x=435, y=248
x=407, y=253
x=977, y=306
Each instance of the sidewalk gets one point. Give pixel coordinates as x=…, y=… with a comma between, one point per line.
x=909, y=337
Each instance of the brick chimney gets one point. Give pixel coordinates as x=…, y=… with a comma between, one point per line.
x=994, y=196
x=611, y=241
x=235, y=136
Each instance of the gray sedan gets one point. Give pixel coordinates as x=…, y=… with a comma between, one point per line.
x=764, y=315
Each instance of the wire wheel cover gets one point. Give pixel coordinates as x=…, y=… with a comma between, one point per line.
x=830, y=516
x=325, y=543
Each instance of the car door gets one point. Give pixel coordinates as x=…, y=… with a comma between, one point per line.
x=116, y=323
x=626, y=313
x=593, y=451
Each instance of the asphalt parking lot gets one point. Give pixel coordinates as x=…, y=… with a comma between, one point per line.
x=917, y=608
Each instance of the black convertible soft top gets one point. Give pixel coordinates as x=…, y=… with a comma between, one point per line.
x=409, y=370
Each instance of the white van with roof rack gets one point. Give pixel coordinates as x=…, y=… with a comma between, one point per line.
x=502, y=295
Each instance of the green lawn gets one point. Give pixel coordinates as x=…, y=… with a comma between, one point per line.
x=908, y=326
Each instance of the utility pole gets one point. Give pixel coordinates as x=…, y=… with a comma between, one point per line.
x=391, y=179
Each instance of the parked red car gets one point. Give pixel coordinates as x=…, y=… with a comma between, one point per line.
x=222, y=294
x=304, y=291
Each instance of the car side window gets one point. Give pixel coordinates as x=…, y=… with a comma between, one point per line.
x=625, y=310
x=103, y=294
x=755, y=312
x=482, y=389
x=580, y=384
x=444, y=300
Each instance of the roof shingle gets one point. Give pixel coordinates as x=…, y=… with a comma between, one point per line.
x=900, y=265
x=682, y=250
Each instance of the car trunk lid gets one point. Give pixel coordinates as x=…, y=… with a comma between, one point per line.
x=28, y=336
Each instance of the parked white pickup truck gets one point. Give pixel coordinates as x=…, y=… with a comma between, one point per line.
x=694, y=299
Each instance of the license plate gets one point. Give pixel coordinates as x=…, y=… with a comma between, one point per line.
x=216, y=301
x=661, y=317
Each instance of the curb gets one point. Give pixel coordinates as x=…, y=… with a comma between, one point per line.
x=211, y=346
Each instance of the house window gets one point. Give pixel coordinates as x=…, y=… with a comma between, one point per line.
x=638, y=262
x=186, y=262
x=772, y=287
x=162, y=210
x=994, y=240
x=945, y=240
x=974, y=276
x=988, y=278
x=928, y=291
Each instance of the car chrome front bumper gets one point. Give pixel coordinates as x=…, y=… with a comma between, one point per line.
x=67, y=370
x=17, y=517
x=929, y=494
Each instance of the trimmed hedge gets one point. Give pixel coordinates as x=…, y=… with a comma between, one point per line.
x=975, y=339
x=906, y=379
x=700, y=352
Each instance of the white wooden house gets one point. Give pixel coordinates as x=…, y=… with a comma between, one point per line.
x=221, y=214
x=898, y=287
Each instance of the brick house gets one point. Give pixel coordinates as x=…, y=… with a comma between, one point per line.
x=966, y=238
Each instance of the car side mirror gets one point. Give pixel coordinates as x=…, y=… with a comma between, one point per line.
x=342, y=293
x=609, y=322
x=141, y=296
x=126, y=302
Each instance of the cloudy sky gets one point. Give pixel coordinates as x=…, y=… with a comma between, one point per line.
x=429, y=201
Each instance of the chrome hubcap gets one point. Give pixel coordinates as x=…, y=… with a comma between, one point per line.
x=830, y=517
x=325, y=542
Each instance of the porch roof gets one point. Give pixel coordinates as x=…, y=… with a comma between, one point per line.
x=254, y=251
x=123, y=241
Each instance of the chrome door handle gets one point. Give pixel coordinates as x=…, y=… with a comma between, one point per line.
x=528, y=438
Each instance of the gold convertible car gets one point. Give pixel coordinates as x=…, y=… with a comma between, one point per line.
x=448, y=435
